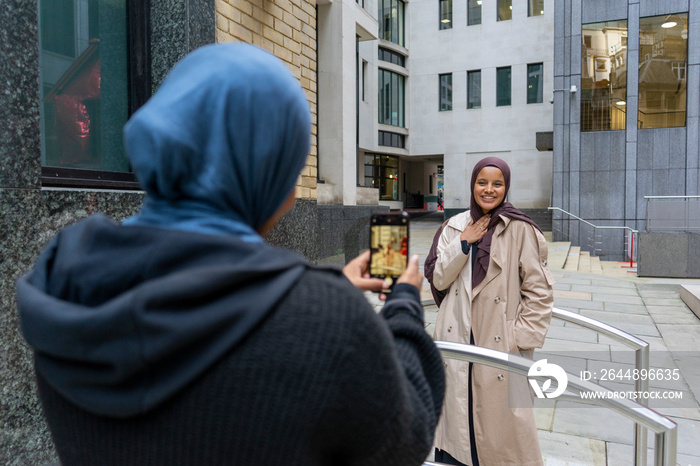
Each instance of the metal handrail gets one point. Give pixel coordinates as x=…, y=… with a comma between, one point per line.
x=641, y=361
x=671, y=197
x=608, y=227
x=664, y=428
x=605, y=227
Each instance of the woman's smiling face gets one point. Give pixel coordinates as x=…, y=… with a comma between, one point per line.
x=489, y=188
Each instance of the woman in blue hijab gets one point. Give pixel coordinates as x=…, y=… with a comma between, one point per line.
x=181, y=337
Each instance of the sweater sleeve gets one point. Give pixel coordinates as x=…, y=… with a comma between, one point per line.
x=394, y=377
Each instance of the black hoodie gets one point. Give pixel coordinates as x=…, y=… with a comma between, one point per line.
x=159, y=346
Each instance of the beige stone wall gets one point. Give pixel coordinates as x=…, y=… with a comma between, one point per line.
x=286, y=28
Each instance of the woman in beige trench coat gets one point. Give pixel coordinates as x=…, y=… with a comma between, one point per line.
x=492, y=260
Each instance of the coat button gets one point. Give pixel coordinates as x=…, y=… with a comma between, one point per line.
x=497, y=338
x=449, y=329
x=500, y=377
x=497, y=300
x=544, y=263
x=457, y=291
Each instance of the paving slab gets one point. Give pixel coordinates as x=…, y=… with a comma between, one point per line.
x=560, y=449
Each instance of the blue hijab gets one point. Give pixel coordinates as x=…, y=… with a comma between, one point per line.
x=220, y=145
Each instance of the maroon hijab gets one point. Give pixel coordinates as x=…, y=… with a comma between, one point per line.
x=506, y=209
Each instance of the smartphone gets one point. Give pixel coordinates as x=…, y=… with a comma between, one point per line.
x=388, y=245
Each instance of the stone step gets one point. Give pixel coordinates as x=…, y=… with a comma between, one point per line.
x=572, y=259
x=558, y=251
x=595, y=265
x=584, y=262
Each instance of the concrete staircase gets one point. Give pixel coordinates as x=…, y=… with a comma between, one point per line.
x=566, y=257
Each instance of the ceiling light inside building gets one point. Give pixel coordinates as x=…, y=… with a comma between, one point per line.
x=621, y=103
x=478, y=2
x=445, y=20
x=669, y=24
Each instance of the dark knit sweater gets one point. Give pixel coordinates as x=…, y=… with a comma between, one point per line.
x=321, y=380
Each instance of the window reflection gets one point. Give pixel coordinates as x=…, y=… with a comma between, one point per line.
x=604, y=76
x=445, y=92
x=83, y=84
x=663, y=58
x=473, y=12
x=474, y=89
x=503, y=86
x=391, y=98
x=391, y=23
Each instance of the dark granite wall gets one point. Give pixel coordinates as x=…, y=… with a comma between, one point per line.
x=30, y=216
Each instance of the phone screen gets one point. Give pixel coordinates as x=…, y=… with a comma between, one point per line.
x=388, y=245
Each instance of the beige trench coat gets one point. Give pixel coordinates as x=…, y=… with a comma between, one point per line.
x=509, y=311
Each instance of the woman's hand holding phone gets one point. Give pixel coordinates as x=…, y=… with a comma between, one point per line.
x=357, y=271
x=412, y=274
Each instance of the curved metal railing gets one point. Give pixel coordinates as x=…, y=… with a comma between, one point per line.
x=664, y=429
x=641, y=361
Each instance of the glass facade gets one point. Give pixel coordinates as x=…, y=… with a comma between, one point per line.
x=503, y=86
x=663, y=60
x=473, y=12
x=391, y=21
x=84, y=84
x=505, y=10
x=445, y=14
x=474, y=89
x=445, y=92
x=391, y=57
x=391, y=98
x=534, y=83
x=604, y=76
x=535, y=7
x=387, y=138
x=382, y=172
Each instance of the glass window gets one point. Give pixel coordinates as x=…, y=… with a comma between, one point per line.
x=396, y=58
x=445, y=92
x=84, y=90
x=391, y=24
x=534, y=83
x=604, y=76
x=474, y=12
x=387, y=138
x=535, y=7
x=505, y=10
x=445, y=14
x=663, y=58
x=503, y=86
x=382, y=172
x=391, y=98
x=474, y=89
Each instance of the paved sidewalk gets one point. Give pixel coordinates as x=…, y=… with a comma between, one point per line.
x=573, y=433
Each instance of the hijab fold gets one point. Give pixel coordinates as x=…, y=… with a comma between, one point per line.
x=506, y=209
x=219, y=147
